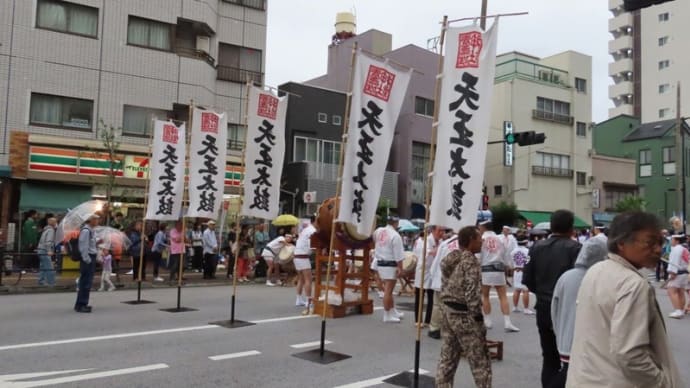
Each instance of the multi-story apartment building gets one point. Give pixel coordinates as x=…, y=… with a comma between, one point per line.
x=552, y=95
x=67, y=65
x=649, y=59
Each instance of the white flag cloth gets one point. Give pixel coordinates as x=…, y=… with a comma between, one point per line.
x=378, y=91
x=463, y=125
x=264, y=152
x=166, y=180
x=207, y=156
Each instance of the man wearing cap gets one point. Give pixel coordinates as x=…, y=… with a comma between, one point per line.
x=210, y=245
x=389, y=255
x=678, y=275
x=495, y=260
x=87, y=266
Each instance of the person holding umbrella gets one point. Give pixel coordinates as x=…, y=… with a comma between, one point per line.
x=87, y=266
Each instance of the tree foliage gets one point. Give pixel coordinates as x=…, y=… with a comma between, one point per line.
x=504, y=214
x=631, y=203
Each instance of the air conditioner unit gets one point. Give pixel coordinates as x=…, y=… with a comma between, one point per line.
x=203, y=43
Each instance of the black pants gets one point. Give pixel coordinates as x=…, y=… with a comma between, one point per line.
x=136, y=259
x=230, y=264
x=86, y=272
x=429, y=303
x=198, y=258
x=210, y=264
x=174, y=265
x=156, y=257
x=552, y=361
x=560, y=379
x=661, y=264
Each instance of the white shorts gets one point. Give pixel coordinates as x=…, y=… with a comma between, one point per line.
x=388, y=273
x=681, y=281
x=267, y=255
x=373, y=266
x=517, y=281
x=493, y=279
x=302, y=264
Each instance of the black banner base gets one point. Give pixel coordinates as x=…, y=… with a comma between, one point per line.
x=178, y=310
x=406, y=379
x=142, y=301
x=327, y=357
x=229, y=324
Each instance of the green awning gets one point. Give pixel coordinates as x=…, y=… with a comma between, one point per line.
x=51, y=197
x=5, y=171
x=538, y=217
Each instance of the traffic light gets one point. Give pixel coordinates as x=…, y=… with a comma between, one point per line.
x=525, y=138
x=634, y=5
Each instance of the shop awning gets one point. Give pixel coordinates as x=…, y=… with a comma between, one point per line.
x=5, y=171
x=538, y=217
x=51, y=197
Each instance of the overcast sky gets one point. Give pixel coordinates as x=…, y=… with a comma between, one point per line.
x=299, y=32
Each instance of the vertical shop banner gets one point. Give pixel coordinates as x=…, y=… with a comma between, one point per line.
x=264, y=153
x=378, y=91
x=166, y=178
x=207, y=154
x=463, y=125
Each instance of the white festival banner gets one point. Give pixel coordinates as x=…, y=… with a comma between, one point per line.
x=207, y=154
x=264, y=152
x=166, y=179
x=463, y=125
x=377, y=96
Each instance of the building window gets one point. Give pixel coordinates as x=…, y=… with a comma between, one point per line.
x=138, y=120
x=337, y=120
x=663, y=88
x=316, y=150
x=258, y=4
x=149, y=33
x=322, y=117
x=424, y=106
x=67, y=17
x=581, y=85
x=581, y=129
x=645, y=162
x=664, y=112
x=237, y=134
x=663, y=17
x=239, y=64
x=498, y=190
x=664, y=64
x=614, y=195
x=58, y=111
x=421, y=153
x=552, y=165
x=668, y=155
x=663, y=40
x=581, y=178
x=553, y=110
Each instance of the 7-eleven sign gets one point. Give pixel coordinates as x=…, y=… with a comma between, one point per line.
x=136, y=166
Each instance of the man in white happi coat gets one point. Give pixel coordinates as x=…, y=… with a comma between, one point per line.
x=433, y=239
x=389, y=255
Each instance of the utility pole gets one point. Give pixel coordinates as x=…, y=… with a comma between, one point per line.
x=680, y=159
x=482, y=23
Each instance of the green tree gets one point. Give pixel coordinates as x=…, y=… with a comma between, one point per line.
x=631, y=203
x=110, y=145
x=504, y=214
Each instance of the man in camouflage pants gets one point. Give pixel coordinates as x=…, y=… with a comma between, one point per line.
x=462, y=324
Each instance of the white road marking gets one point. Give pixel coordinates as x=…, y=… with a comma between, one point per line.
x=235, y=355
x=12, y=383
x=106, y=337
x=309, y=344
x=375, y=381
x=26, y=376
x=281, y=319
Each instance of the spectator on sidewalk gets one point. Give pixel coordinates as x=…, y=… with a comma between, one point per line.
x=46, y=252
x=176, y=250
x=135, y=250
x=198, y=247
x=106, y=260
x=678, y=275
x=160, y=243
x=87, y=265
x=210, y=242
x=29, y=238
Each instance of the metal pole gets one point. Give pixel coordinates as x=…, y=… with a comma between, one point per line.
x=482, y=24
x=679, y=157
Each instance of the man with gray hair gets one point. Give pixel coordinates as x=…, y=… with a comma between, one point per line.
x=620, y=336
x=46, y=251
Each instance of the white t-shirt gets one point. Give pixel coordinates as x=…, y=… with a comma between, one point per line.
x=493, y=249
x=520, y=256
x=275, y=245
x=303, y=245
x=418, y=247
x=389, y=246
x=678, y=259
x=447, y=246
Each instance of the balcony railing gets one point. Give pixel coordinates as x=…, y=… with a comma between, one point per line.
x=550, y=116
x=236, y=144
x=233, y=74
x=194, y=53
x=552, y=171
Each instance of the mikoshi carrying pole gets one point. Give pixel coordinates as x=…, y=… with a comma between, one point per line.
x=321, y=355
x=234, y=323
x=143, y=228
x=405, y=378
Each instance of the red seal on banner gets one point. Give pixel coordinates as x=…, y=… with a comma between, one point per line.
x=268, y=106
x=209, y=122
x=379, y=83
x=469, y=47
x=170, y=134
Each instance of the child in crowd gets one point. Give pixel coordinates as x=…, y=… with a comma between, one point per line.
x=107, y=263
x=520, y=258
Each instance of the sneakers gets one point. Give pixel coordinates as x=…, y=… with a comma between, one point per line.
x=516, y=309
x=677, y=314
x=389, y=317
x=510, y=328
x=270, y=283
x=301, y=301
x=529, y=312
x=397, y=313
x=158, y=279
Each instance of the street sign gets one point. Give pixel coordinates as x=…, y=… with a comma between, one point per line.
x=595, y=198
x=309, y=197
x=508, y=145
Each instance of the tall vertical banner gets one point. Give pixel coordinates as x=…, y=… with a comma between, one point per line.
x=166, y=179
x=463, y=125
x=207, y=154
x=264, y=152
x=378, y=91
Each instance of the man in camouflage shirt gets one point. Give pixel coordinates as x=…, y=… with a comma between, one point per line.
x=462, y=325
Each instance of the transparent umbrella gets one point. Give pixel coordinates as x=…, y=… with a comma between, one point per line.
x=75, y=218
x=112, y=240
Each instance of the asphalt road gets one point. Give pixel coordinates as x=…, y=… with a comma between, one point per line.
x=121, y=345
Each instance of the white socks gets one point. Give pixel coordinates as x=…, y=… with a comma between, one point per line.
x=509, y=325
